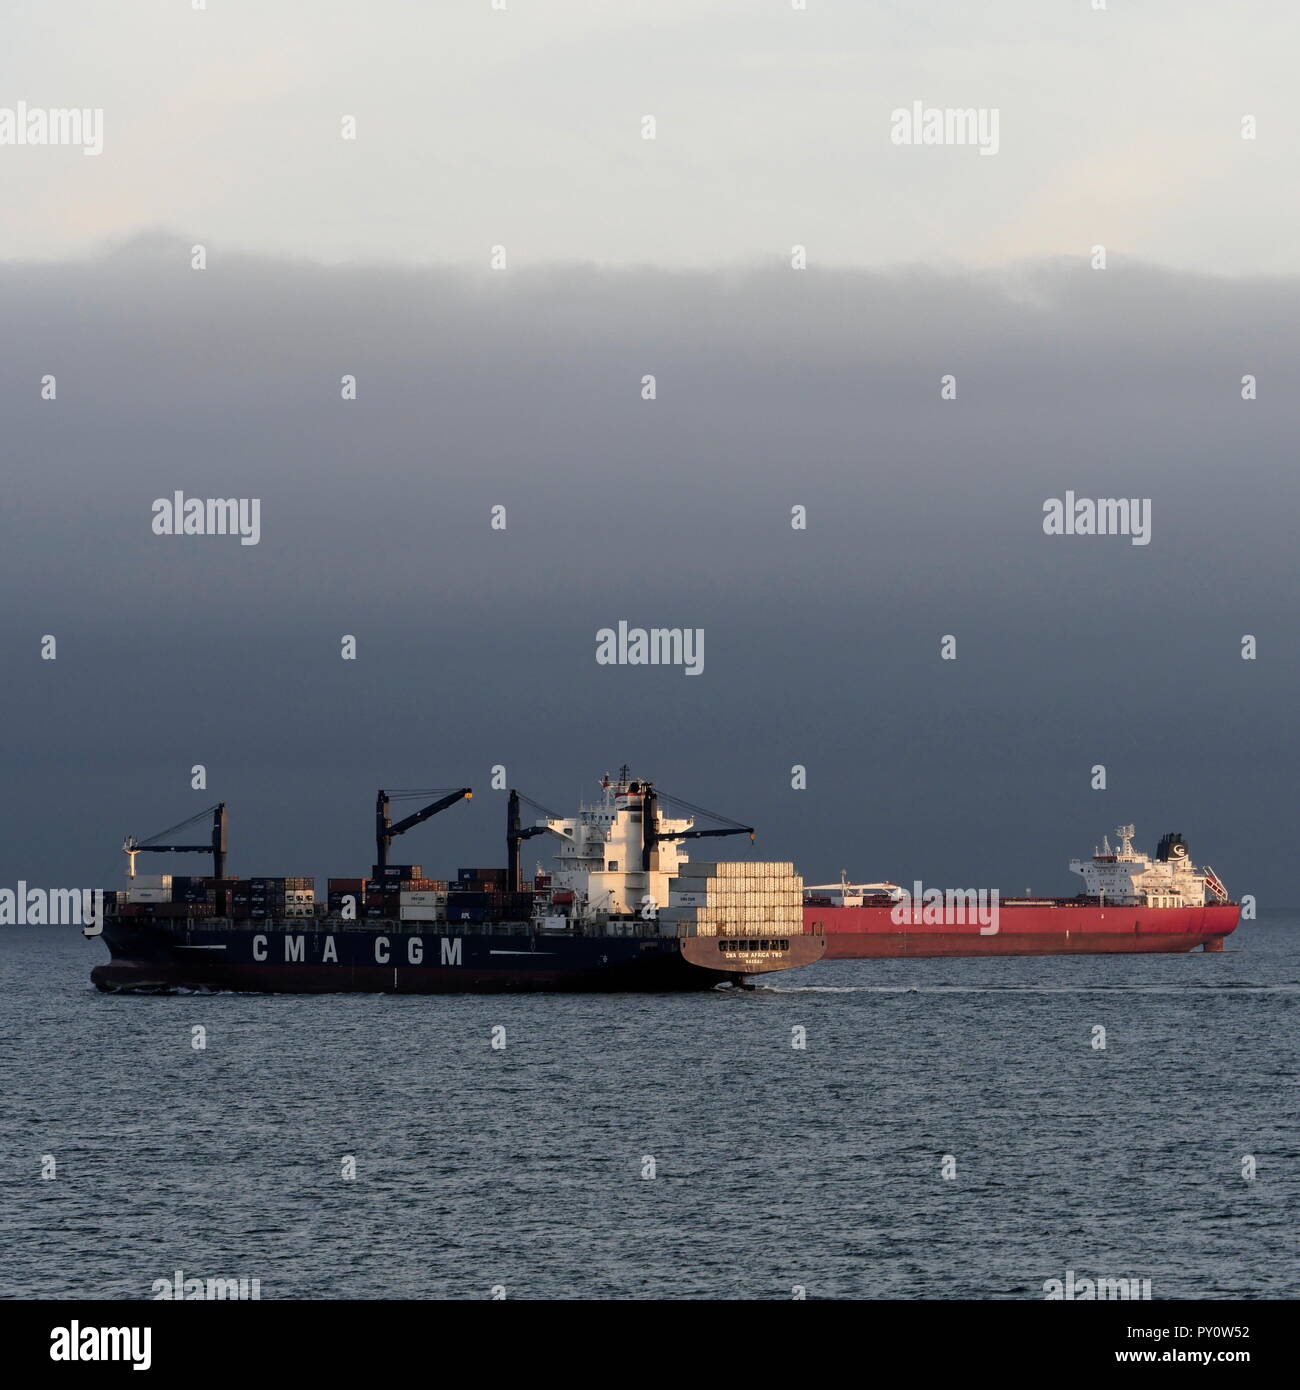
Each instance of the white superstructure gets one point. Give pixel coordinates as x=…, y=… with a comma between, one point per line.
x=599, y=859
x=1127, y=878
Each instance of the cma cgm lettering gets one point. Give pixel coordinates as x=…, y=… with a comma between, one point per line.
x=294, y=949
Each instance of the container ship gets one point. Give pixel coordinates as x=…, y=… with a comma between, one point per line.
x=1130, y=904
x=592, y=923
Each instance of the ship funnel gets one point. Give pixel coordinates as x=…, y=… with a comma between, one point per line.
x=1172, y=846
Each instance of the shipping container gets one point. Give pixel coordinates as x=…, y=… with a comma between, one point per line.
x=676, y=898
x=184, y=910
x=737, y=868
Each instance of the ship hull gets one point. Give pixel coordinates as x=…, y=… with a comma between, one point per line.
x=1060, y=929
x=322, y=957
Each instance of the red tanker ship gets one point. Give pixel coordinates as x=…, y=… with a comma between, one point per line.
x=1130, y=903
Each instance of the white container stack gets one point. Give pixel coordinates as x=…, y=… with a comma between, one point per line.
x=736, y=898
x=146, y=894
x=422, y=905
x=149, y=888
x=741, y=868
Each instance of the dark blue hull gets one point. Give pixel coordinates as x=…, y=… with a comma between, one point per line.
x=327, y=956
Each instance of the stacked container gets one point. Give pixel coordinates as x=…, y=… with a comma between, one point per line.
x=150, y=888
x=736, y=898
x=383, y=899
x=164, y=896
x=395, y=872
x=340, y=888
x=496, y=905
x=422, y=905
x=267, y=899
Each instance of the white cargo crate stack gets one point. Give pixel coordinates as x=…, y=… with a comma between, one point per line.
x=736, y=898
x=422, y=905
x=149, y=888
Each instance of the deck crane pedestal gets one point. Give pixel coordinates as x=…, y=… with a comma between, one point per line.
x=517, y=833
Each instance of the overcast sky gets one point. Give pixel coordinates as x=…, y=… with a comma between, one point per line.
x=477, y=127
x=477, y=647
x=775, y=388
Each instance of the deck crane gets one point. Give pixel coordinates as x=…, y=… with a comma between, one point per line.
x=385, y=830
x=216, y=847
x=651, y=837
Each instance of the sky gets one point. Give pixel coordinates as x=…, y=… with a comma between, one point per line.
x=478, y=127
x=775, y=389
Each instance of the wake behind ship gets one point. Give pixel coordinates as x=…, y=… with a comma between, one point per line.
x=591, y=924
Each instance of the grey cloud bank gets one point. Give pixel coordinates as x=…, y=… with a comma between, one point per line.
x=774, y=389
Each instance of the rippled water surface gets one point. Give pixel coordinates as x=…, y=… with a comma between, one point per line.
x=775, y=1167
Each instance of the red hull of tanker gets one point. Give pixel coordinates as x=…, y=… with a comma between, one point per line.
x=1038, y=929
